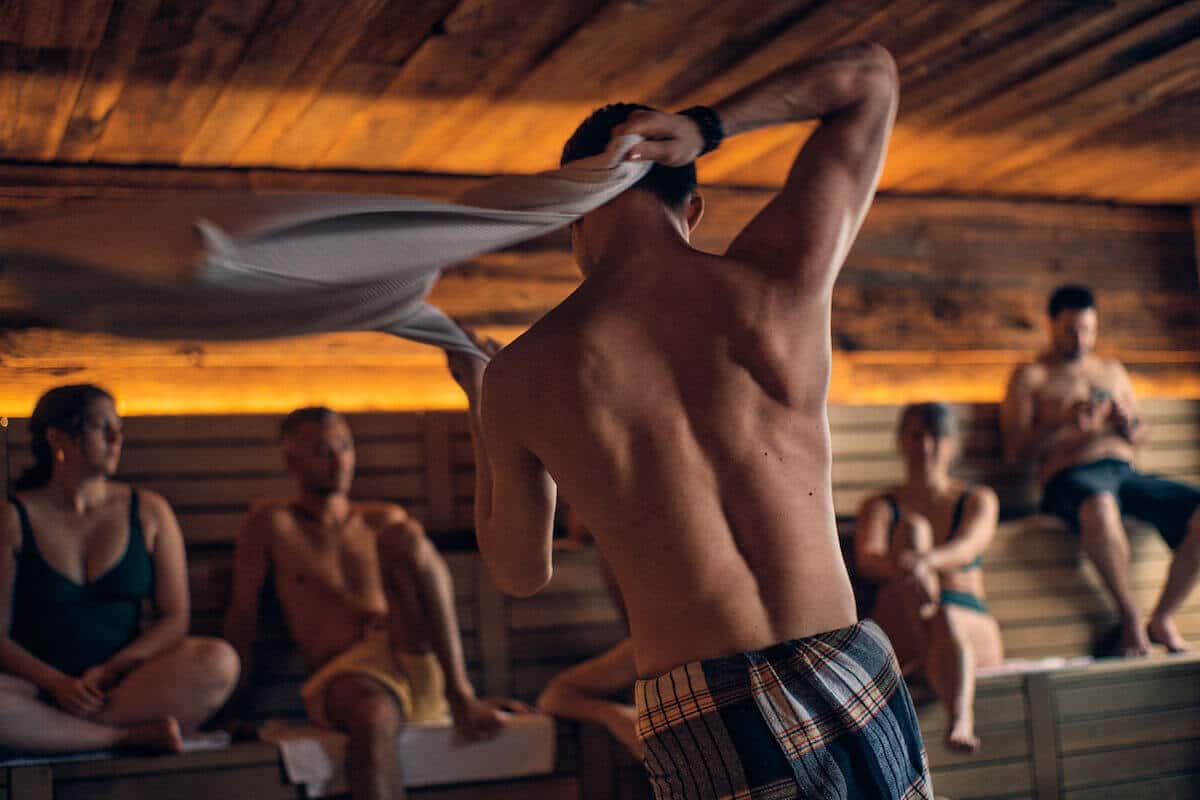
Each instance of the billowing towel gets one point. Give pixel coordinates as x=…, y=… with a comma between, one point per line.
x=252, y=266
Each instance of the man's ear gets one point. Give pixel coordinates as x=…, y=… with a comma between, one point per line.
x=695, y=210
x=57, y=439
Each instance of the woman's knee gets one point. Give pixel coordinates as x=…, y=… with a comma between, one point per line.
x=213, y=658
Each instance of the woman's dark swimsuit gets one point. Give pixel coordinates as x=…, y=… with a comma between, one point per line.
x=73, y=626
x=951, y=597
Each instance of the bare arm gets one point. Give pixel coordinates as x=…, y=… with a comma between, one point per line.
x=1126, y=414
x=251, y=562
x=408, y=557
x=171, y=599
x=975, y=532
x=410, y=561
x=514, y=495
x=14, y=659
x=872, y=541
x=1024, y=437
x=804, y=233
x=583, y=691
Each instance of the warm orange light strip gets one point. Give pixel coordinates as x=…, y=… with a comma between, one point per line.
x=422, y=383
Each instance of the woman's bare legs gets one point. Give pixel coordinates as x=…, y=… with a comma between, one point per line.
x=189, y=682
x=960, y=642
x=29, y=725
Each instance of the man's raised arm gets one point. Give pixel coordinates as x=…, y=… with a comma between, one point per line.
x=804, y=234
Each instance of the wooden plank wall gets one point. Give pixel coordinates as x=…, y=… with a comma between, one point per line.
x=939, y=299
x=212, y=467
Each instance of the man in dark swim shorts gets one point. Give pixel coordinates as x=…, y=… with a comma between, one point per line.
x=1075, y=414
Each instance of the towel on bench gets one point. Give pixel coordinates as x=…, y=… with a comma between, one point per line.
x=194, y=743
x=429, y=754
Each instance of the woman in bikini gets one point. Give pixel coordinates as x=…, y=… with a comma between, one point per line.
x=80, y=556
x=923, y=542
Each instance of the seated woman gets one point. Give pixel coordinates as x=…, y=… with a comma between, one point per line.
x=79, y=555
x=923, y=543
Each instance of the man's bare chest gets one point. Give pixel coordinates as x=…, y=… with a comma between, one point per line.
x=1063, y=388
x=347, y=560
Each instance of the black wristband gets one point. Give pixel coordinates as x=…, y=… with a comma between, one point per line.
x=710, y=126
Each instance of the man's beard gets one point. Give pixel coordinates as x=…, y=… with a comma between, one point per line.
x=1072, y=353
x=326, y=489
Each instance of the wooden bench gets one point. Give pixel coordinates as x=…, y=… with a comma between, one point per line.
x=1048, y=601
x=211, y=469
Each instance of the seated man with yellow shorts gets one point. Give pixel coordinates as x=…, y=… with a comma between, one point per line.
x=369, y=601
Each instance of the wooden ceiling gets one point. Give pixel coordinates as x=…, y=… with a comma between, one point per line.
x=1050, y=98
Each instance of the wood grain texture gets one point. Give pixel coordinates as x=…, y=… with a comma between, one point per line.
x=940, y=297
x=1003, y=97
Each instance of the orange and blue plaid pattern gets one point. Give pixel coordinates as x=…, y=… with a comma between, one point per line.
x=824, y=717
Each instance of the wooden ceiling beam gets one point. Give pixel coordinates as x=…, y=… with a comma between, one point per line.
x=37, y=101
x=993, y=127
x=1011, y=51
x=732, y=164
x=1118, y=160
x=1113, y=102
x=978, y=135
x=280, y=45
x=300, y=130
x=485, y=48
x=107, y=73
x=606, y=60
x=188, y=53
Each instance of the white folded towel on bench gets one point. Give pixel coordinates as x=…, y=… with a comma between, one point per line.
x=429, y=753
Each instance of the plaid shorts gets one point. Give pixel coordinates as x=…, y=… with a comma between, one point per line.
x=827, y=716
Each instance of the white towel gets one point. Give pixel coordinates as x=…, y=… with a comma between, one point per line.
x=252, y=266
x=429, y=753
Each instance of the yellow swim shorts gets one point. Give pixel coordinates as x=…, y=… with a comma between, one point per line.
x=414, y=679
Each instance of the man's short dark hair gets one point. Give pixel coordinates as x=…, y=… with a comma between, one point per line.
x=1072, y=297
x=672, y=185
x=302, y=416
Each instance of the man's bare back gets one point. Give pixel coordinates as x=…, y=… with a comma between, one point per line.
x=692, y=437
x=678, y=397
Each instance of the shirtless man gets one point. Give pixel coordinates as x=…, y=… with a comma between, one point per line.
x=1074, y=414
x=678, y=400
x=367, y=598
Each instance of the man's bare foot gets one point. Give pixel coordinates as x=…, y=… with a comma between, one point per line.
x=160, y=735
x=1134, y=642
x=961, y=737
x=1162, y=630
